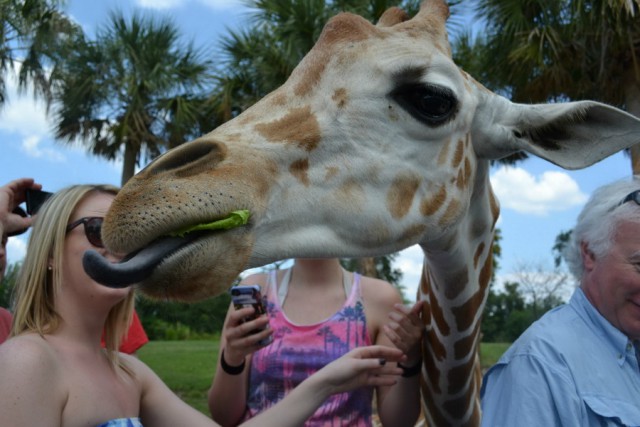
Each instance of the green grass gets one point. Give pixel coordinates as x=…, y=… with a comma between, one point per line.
x=187, y=367
x=490, y=352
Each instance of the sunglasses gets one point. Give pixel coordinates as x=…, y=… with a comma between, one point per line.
x=635, y=196
x=92, y=229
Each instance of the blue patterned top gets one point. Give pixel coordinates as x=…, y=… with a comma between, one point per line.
x=122, y=422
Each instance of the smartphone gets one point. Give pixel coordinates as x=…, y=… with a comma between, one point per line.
x=249, y=295
x=35, y=199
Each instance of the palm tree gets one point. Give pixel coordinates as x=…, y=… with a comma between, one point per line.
x=260, y=58
x=31, y=33
x=541, y=50
x=131, y=92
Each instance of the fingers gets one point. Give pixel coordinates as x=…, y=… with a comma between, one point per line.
x=377, y=352
x=245, y=337
x=405, y=327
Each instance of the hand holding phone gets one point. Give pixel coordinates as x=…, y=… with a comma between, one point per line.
x=250, y=296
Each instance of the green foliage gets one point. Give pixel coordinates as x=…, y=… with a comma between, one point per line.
x=383, y=270
x=32, y=33
x=8, y=284
x=507, y=314
x=170, y=320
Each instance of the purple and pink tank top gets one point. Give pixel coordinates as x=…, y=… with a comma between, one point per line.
x=298, y=351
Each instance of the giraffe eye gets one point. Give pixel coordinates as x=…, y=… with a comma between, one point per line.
x=432, y=105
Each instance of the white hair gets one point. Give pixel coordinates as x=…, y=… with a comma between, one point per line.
x=598, y=221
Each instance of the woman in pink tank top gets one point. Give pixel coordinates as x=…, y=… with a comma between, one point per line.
x=316, y=312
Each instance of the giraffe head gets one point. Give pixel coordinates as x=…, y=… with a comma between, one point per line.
x=376, y=142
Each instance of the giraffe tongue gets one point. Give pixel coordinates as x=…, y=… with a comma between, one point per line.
x=135, y=267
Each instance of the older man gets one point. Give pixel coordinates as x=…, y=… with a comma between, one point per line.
x=11, y=195
x=578, y=365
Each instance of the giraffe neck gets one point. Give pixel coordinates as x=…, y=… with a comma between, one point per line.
x=456, y=274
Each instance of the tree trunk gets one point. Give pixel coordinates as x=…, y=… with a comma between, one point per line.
x=368, y=267
x=632, y=101
x=129, y=163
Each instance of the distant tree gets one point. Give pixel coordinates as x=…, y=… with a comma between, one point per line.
x=543, y=289
x=32, y=33
x=134, y=91
x=561, y=242
x=8, y=284
x=203, y=318
x=380, y=267
x=505, y=316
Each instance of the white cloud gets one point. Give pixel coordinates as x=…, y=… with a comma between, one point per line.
x=16, y=249
x=160, y=4
x=222, y=4
x=22, y=115
x=410, y=262
x=175, y=4
x=31, y=145
x=525, y=193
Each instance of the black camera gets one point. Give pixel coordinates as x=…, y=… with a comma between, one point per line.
x=35, y=199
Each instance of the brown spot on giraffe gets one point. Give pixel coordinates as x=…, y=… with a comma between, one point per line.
x=477, y=254
x=462, y=347
x=465, y=314
x=458, y=154
x=340, y=97
x=299, y=127
x=351, y=193
x=453, y=209
x=458, y=376
x=330, y=172
x=457, y=283
x=430, y=206
x=300, y=169
x=341, y=28
x=401, y=194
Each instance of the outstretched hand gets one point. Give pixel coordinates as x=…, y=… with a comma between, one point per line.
x=362, y=367
x=11, y=195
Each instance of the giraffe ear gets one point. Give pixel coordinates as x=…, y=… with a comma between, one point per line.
x=572, y=135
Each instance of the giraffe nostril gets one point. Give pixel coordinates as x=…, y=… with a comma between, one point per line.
x=189, y=155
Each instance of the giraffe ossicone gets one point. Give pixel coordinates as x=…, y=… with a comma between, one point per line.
x=376, y=142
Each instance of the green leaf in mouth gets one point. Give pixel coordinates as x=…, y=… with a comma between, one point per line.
x=234, y=219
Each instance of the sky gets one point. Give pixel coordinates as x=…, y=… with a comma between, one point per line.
x=538, y=200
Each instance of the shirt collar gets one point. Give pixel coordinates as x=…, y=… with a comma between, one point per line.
x=618, y=341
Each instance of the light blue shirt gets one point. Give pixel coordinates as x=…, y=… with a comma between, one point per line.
x=570, y=368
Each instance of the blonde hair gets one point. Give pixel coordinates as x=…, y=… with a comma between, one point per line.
x=36, y=286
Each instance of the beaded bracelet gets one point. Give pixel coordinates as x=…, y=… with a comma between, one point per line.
x=410, y=371
x=231, y=370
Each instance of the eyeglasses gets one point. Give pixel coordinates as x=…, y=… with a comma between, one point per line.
x=635, y=196
x=92, y=229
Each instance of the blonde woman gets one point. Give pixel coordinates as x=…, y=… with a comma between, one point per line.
x=53, y=370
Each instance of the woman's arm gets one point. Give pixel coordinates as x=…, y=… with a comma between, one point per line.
x=402, y=328
x=362, y=367
x=227, y=396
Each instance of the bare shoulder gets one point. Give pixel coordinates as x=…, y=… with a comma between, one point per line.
x=27, y=351
x=29, y=361
x=379, y=293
